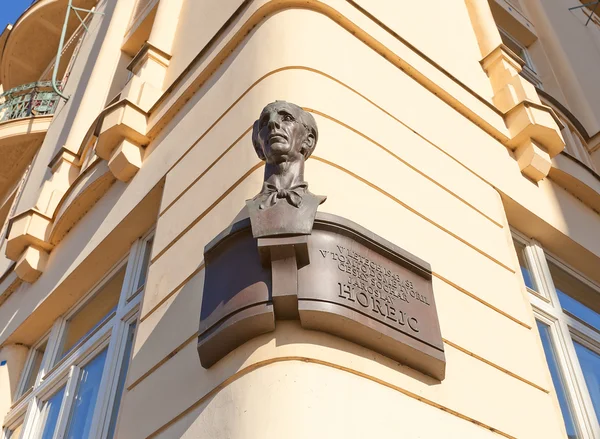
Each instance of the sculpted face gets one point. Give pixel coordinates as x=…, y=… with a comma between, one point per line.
x=280, y=135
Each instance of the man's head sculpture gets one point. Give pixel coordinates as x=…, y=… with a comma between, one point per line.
x=284, y=132
x=284, y=137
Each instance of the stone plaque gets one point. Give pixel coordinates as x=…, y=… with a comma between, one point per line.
x=351, y=283
x=236, y=303
x=369, y=291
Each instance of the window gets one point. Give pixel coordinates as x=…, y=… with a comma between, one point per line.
x=87, y=318
x=525, y=266
x=34, y=367
x=50, y=412
x=143, y=249
x=557, y=379
x=566, y=305
x=528, y=71
x=74, y=377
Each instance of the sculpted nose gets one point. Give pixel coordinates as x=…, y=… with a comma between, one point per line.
x=273, y=121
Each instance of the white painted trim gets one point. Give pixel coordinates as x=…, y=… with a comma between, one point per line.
x=67, y=403
x=107, y=399
x=31, y=419
x=55, y=373
x=564, y=329
x=25, y=375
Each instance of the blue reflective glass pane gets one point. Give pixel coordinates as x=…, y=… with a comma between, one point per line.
x=576, y=297
x=590, y=365
x=121, y=383
x=579, y=310
x=527, y=278
x=86, y=395
x=557, y=380
x=525, y=271
x=51, y=410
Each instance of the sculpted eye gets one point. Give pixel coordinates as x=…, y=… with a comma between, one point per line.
x=263, y=122
x=288, y=117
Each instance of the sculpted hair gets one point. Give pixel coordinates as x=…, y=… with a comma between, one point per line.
x=305, y=118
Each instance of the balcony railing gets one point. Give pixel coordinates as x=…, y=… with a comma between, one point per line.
x=27, y=100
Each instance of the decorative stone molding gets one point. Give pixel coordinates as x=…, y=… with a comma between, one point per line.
x=79, y=198
x=126, y=160
x=65, y=169
x=124, y=120
x=9, y=283
x=534, y=161
x=121, y=139
x=31, y=264
x=31, y=228
x=529, y=120
x=150, y=64
x=149, y=67
x=577, y=178
x=123, y=130
x=534, y=128
x=141, y=93
x=69, y=193
x=503, y=67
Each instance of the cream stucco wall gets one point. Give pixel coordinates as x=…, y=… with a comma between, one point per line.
x=452, y=217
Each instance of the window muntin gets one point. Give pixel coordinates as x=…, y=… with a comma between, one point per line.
x=576, y=297
x=50, y=412
x=86, y=395
x=35, y=366
x=143, y=250
x=121, y=383
x=528, y=71
x=525, y=268
x=144, y=266
x=91, y=315
x=513, y=45
x=557, y=380
x=78, y=396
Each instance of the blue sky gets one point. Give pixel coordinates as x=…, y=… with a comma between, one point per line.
x=10, y=10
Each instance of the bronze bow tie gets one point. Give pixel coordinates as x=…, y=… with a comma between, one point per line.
x=293, y=195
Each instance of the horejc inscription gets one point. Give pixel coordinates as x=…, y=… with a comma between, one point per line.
x=293, y=262
x=371, y=278
x=375, y=288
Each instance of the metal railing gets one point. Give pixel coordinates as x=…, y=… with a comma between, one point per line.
x=27, y=100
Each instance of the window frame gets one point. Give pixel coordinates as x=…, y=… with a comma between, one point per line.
x=138, y=250
x=528, y=70
x=27, y=368
x=56, y=372
x=564, y=330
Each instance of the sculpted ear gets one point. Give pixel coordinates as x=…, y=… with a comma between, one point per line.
x=309, y=144
x=259, y=152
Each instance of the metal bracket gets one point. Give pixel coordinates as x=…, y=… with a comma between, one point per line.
x=597, y=3
x=62, y=42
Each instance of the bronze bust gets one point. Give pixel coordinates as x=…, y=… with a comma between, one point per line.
x=284, y=136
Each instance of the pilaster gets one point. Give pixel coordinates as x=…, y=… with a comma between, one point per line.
x=534, y=129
